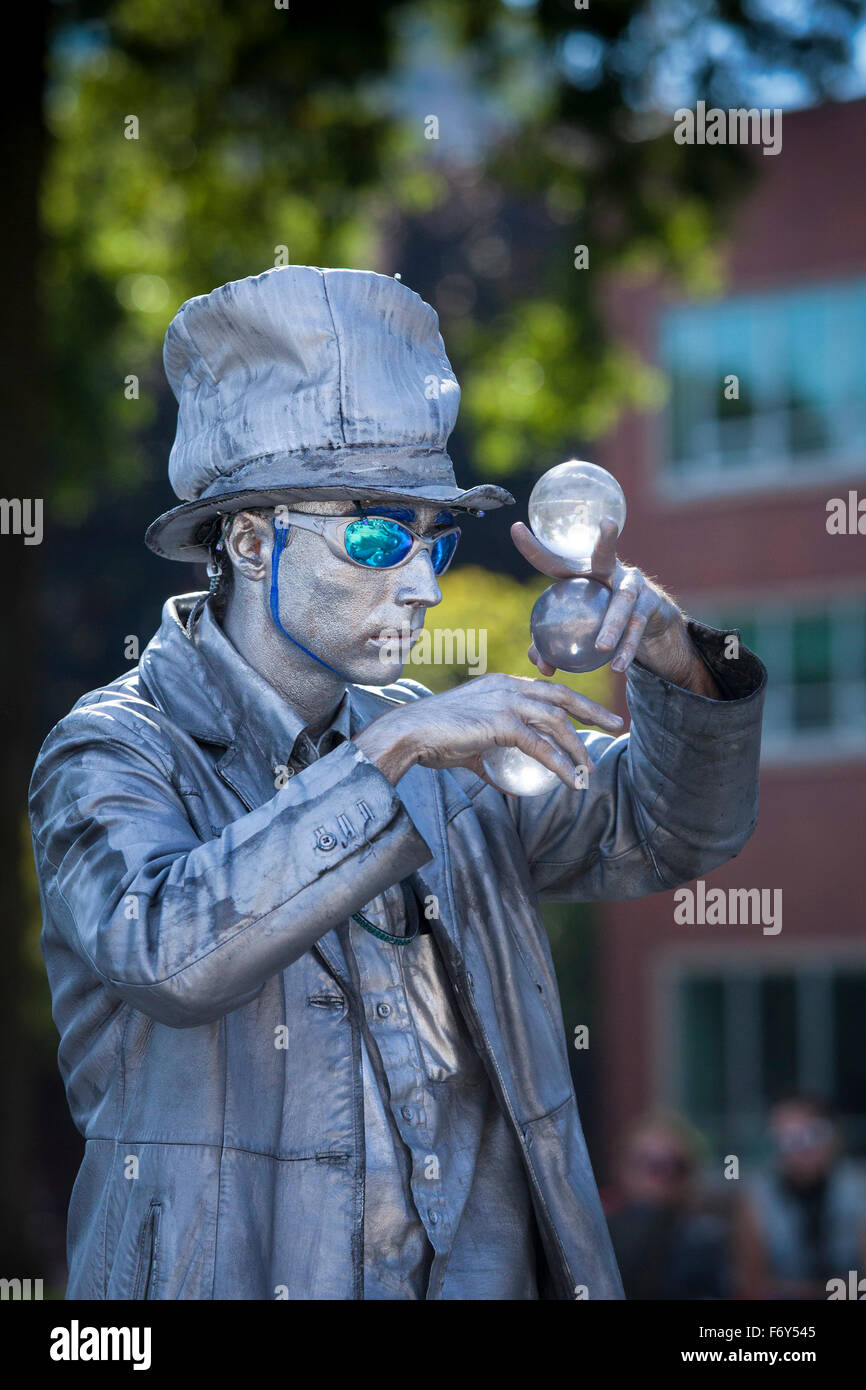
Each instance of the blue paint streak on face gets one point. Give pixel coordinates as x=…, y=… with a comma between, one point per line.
x=281, y=535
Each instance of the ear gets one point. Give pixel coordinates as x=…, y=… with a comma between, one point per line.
x=249, y=544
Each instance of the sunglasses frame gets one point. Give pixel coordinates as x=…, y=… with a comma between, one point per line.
x=332, y=529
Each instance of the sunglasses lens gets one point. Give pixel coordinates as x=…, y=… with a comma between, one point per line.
x=442, y=552
x=377, y=541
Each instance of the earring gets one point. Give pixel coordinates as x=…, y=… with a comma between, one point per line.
x=215, y=564
x=215, y=568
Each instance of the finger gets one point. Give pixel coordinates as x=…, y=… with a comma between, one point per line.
x=538, y=660
x=578, y=706
x=619, y=611
x=556, y=725
x=627, y=649
x=536, y=745
x=538, y=555
x=604, y=554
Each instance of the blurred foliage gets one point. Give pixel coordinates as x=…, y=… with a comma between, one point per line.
x=262, y=128
x=520, y=386
x=478, y=600
x=239, y=152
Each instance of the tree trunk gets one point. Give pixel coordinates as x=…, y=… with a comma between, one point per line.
x=23, y=433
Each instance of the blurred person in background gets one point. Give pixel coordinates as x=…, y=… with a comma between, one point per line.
x=802, y=1220
x=666, y=1246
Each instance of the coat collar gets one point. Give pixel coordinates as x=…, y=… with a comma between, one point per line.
x=203, y=683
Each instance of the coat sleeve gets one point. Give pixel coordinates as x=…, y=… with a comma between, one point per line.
x=183, y=929
x=670, y=800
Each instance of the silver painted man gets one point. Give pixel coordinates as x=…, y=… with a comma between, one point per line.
x=309, y=1023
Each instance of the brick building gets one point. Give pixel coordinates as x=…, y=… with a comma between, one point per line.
x=728, y=505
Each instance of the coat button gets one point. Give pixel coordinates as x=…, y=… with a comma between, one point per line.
x=383, y=1010
x=324, y=839
x=406, y=1112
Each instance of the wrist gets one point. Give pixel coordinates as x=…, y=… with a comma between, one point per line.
x=674, y=657
x=388, y=744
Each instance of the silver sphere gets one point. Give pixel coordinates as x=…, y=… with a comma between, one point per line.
x=514, y=771
x=565, y=622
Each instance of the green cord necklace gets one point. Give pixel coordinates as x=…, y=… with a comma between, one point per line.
x=412, y=920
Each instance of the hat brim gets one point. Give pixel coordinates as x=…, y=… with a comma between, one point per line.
x=177, y=534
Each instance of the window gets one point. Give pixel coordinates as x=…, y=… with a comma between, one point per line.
x=743, y=1034
x=799, y=406
x=815, y=656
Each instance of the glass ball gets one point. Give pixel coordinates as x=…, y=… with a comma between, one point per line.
x=569, y=503
x=565, y=622
x=514, y=771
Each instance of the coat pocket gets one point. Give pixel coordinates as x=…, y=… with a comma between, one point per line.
x=148, y=1254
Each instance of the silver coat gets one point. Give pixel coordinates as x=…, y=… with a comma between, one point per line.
x=190, y=911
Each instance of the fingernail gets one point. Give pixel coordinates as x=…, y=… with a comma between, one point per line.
x=618, y=719
x=619, y=664
x=581, y=777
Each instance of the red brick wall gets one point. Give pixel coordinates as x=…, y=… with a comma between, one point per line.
x=804, y=221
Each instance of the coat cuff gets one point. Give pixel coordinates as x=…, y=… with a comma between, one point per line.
x=355, y=803
x=740, y=675
x=737, y=676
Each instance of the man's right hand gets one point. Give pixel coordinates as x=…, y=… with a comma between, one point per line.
x=457, y=728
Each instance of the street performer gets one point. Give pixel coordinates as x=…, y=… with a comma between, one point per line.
x=309, y=1024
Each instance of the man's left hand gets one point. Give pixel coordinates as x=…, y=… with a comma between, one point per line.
x=642, y=622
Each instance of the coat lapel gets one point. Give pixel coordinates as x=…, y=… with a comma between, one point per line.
x=186, y=688
x=424, y=793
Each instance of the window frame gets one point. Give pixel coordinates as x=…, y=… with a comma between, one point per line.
x=707, y=475
x=740, y=1128
x=773, y=620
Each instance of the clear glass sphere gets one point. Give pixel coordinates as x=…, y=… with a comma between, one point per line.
x=517, y=773
x=569, y=503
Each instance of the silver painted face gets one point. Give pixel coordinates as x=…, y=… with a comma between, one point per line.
x=348, y=616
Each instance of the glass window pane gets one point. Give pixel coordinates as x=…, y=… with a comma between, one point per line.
x=748, y=634
x=813, y=706
x=811, y=648
x=778, y=1035
x=800, y=360
x=849, y=1001
x=702, y=1048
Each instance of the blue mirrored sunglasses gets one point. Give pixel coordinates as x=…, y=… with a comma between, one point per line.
x=375, y=542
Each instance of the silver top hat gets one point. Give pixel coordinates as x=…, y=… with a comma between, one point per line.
x=303, y=384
